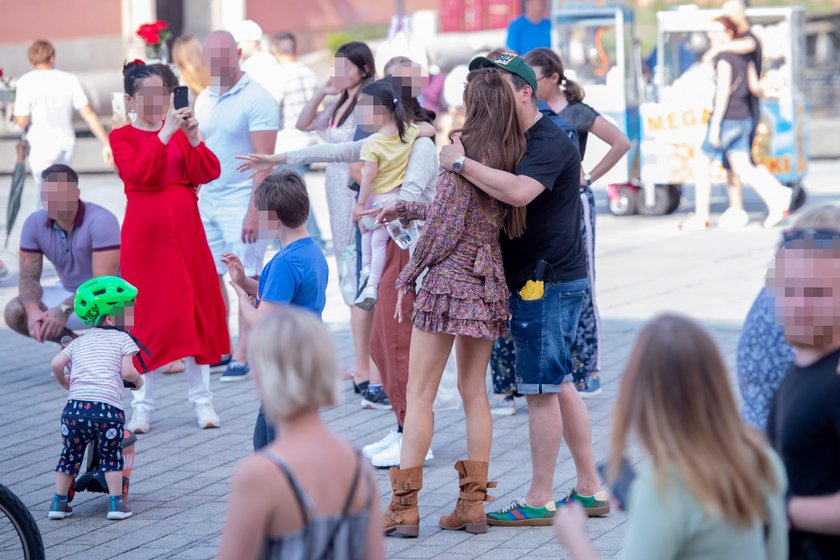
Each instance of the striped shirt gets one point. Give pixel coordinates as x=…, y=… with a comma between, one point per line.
x=96, y=365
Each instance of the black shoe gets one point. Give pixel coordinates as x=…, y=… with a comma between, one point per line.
x=361, y=388
x=376, y=400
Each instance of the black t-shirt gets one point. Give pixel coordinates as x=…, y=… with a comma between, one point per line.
x=757, y=58
x=739, y=87
x=580, y=116
x=804, y=427
x=552, y=224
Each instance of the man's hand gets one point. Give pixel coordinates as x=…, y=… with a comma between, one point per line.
x=450, y=153
x=35, y=326
x=250, y=225
x=235, y=268
x=52, y=324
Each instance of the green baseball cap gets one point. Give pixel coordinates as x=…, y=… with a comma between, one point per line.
x=510, y=63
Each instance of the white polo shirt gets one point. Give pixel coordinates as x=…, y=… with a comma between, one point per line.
x=226, y=122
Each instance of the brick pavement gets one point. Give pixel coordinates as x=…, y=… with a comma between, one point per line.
x=180, y=483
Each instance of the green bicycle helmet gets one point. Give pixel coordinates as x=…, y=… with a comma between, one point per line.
x=101, y=296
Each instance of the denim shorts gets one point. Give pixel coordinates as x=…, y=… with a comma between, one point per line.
x=735, y=135
x=543, y=332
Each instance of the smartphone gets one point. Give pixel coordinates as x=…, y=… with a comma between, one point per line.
x=620, y=487
x=118, y=104
x=181, y=97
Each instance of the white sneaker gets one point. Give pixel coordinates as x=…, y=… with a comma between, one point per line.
x=390, y=456
x=503, y=405
x=373, y=448
x=207, y=417
x=367, y=299
x=733, y=218
x=363, y=277
x=141, y=422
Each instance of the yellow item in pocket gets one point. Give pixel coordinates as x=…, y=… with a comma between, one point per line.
x=533, y=289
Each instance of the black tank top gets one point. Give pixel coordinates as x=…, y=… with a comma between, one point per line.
x=739, y=87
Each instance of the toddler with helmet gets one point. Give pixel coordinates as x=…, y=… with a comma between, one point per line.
x=98, y=362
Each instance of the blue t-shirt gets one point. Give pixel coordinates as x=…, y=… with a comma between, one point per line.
x=524, y=36
x=296, y=275
x=559, y=121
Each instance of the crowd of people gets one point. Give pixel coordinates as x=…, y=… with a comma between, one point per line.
x=496, y=260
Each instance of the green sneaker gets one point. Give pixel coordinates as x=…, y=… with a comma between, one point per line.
x=520, y=514
x=594, y=506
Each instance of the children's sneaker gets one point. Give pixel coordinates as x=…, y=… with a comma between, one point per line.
x=59, y=509
x=503, y=405
x=364, y=276
x=373, y=448
x=376, y=399
x=236, y=371
x=589, y=386
x=118, y=509
x=594, y=506
x=141, y=422
x=207, y=417
x=520, y=514
x=367, y=299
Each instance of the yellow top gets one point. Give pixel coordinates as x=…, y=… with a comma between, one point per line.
x=391, y=155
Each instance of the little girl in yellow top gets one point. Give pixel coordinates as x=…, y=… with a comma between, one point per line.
x=385, y=156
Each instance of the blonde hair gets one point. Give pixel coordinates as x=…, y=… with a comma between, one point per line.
x=294, y=361
x=675, y=395
x=186, y=55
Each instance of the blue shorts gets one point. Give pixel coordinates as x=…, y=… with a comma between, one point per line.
x=735, y=135
x=543, y=332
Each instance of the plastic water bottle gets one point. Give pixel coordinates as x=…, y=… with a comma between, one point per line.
x=403, y=237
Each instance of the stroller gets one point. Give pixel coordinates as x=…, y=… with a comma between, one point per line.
x=93, y=480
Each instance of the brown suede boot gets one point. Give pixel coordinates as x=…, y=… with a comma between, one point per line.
x=402, y=518
x=469, y=511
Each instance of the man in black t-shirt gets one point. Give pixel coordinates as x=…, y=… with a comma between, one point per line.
x=804, y=420
x=547, y=183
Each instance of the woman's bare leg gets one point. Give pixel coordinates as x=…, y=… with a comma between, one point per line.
x=426, y=360
x=473, y=355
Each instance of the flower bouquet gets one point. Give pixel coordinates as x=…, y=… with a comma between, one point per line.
x=155, y=35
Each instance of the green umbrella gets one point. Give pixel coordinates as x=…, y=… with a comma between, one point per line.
x=18, y=179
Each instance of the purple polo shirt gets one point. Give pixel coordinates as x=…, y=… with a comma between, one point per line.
x=95, y=229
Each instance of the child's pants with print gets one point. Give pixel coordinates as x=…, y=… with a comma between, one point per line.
x=85, y=421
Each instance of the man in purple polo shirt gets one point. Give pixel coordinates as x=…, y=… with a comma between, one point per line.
x=80, y=239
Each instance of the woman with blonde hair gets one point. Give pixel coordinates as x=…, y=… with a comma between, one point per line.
x=712, y=488
x=292, y=499
x=186, y=55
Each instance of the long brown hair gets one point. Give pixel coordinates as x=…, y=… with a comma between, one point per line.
x=361, y=57
x=675, y=395
x=186, y=55
x=492, y=135
x=549, y=64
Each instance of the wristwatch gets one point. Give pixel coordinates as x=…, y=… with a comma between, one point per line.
x=458, y=164
x=588, y=178
x=66, y=309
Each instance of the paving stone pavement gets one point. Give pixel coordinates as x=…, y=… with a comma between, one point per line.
x=181, y=475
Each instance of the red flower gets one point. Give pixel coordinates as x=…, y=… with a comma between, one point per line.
x=136, y=62
x=160, y=24
x=1, y=72
x=149, y=33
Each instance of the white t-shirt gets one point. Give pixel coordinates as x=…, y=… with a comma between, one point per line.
x=96, y=365
x=226, y=122
x=49, y=98
x=265, y=70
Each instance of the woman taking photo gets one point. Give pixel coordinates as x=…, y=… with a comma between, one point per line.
x=712, y=488
x=181, y=314
x=462, y=300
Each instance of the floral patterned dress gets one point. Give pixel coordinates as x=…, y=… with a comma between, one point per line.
x=464, y=292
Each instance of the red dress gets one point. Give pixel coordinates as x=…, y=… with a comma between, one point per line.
x=179, y=310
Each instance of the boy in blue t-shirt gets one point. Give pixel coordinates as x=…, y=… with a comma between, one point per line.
x=296, y=275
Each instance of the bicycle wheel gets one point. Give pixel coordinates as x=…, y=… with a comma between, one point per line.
x=19, y=534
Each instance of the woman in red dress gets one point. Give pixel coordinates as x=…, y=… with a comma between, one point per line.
x=179, y=312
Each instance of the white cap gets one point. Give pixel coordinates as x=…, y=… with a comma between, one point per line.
x=246, y=30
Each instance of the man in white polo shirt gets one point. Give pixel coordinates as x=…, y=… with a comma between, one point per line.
x=236, y=116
